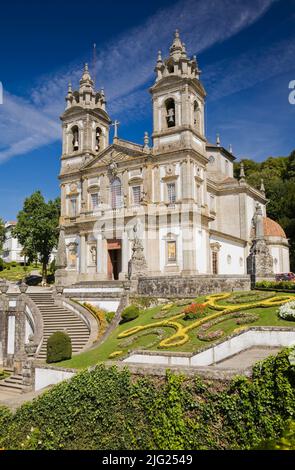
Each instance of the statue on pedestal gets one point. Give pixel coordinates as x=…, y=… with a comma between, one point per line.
x=259, y=261
x=137, y=265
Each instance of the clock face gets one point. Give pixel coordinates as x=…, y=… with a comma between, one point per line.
x=211, y=159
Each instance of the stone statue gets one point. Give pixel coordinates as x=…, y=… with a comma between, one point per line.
x=137, y=265
x=259, y=261
x=257, y=222
x=93, y=253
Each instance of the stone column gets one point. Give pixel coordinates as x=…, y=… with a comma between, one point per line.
x=188, y=248
x=84, y=194
x=125, y=255
x=63, y=200
x=156, y=175
x=99, y=255
x=125, y=187
x=83, y=253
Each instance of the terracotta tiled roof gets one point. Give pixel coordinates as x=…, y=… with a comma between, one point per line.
x=272, y=228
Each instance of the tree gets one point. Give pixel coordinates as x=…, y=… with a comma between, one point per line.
x=290, y=170
x=278, y=174
x=37, y=228
x=2, y=234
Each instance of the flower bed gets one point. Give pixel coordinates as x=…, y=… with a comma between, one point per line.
x=181, y=336
x=287, y=311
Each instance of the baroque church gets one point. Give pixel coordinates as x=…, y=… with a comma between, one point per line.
x=168, y=207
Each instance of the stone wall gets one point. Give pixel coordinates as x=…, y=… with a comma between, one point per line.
x=180, y=286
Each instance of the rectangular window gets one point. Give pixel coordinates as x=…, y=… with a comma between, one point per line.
x=73, y=207
x=214, y=262
x=136, y=190
x=94, y=200
x=171, y=251
x=171, y=193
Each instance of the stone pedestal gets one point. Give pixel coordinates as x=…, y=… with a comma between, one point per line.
x=259, y=261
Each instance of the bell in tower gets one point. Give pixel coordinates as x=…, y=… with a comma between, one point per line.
x=85, y=120
x=178, y=99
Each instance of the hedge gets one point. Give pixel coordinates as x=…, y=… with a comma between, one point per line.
x=129, y=313
x=59, y=347
x=110, y=410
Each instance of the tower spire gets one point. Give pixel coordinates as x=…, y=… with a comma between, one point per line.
x=176, y=48
x=86, y=82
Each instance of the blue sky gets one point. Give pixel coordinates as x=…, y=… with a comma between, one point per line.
x=246, y=50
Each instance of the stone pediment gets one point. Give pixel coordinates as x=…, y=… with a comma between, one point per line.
x=113, y=154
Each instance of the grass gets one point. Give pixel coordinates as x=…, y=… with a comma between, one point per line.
x=16, y=273
x=149, y=339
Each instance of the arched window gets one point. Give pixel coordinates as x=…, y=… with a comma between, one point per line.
x=76, y=96
x=170, y=112
x=98, y=133
x=116, y=193
x=170, y=67
x=197, y=115
x=75, y=138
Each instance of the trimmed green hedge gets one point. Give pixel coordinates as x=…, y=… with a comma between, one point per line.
x=110, y=410
x=276, y=285
x=59, y=347
x=129, y=313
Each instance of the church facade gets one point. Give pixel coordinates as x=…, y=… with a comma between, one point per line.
x=168, y=207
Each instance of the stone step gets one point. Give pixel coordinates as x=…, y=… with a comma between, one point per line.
x=12, y=385
x=57, y=318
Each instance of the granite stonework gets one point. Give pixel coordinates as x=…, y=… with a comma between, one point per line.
x=167, y=205
x=180, y=286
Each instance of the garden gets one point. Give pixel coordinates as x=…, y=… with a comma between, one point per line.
x=189, y=324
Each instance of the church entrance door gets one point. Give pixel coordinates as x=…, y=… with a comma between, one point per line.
x=114, y=259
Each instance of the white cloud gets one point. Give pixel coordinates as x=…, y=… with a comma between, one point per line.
x=123, y=66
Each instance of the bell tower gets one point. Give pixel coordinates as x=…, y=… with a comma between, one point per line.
x=85, y=121
x=178, y=100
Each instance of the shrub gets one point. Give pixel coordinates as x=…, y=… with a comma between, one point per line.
x=109, y=316
x=129, y=313
x=13, y=264
x=287, y=311
x=59, y=347
x=100, y=315
x=1, y=264
x=280, y=285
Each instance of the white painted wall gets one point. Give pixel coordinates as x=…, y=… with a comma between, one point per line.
x=46, y=377
x=236, y=263
x=11, y=334
x=273, y=338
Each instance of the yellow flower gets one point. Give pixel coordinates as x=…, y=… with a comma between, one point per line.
x=115, y=354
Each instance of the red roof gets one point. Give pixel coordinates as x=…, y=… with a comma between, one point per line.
x=272, y=228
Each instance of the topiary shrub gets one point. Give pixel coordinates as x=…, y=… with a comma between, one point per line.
x=129, y=313
x=59, y=347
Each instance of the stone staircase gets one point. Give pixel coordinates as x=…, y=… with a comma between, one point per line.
x=12, y=385
x=56, y=318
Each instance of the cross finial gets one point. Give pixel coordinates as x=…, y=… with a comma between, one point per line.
x=116, y=125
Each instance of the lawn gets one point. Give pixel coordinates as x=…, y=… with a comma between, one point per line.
x=184, y=332
x=16, y=273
